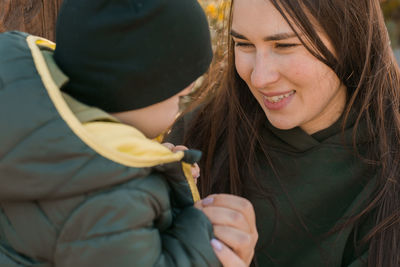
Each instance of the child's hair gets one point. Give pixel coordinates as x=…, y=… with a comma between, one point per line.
x=127, y=54
x=226, y=127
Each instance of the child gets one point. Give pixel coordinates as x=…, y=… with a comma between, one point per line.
x=81, y=184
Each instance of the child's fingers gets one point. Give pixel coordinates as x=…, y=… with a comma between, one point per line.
x=169, y=146
x=195, y=167
x=226, y=256
x=179, y=148
x=174, y=148
x=195, y=171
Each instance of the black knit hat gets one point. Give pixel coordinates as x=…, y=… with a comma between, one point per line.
x=127, y=54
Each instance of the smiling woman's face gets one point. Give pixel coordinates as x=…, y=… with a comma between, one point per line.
x=291, y=85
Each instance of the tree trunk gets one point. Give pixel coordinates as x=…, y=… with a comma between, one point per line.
x=37, y=17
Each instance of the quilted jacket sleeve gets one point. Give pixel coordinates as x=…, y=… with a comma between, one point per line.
x=131, y=226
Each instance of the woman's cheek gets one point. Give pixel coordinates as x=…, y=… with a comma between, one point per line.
x=243, y=64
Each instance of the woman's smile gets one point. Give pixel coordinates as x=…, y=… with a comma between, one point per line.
x=276, y=101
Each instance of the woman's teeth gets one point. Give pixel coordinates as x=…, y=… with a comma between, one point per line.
x=277, y=98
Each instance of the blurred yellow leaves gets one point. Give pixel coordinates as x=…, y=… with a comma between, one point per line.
x=215, y=10
x=217, y=13
x=211, y=11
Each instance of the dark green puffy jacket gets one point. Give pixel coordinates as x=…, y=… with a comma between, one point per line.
x=86, y=192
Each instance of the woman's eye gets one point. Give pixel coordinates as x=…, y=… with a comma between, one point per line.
x=286, y=45
x=244, y=45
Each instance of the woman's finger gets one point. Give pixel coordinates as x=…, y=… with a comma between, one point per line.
x=242, y=243
x=233, y=202
x=226, y=216
x=226, y=256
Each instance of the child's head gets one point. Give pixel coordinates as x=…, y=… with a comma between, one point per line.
x=123, y=55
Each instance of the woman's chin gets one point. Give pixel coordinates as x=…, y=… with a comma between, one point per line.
x=282, y=124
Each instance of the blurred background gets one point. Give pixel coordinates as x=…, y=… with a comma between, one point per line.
x=391, y=11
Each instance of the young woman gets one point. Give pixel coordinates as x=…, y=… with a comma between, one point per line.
x=303, y=120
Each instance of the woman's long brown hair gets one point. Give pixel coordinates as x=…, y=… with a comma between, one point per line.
x=227, y=124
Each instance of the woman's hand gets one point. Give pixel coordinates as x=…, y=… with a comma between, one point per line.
x=233, y=220
x=234, y=224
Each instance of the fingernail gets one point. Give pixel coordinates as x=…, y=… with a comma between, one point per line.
x=207, y=201
x=216, y=244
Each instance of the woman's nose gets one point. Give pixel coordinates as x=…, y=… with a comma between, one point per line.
x=265, y=71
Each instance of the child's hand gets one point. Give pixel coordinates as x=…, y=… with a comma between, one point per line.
x=195, y=167
x=234, y=223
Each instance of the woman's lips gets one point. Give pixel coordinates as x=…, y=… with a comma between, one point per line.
x=276, y=101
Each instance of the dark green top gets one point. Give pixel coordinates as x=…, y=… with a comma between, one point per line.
x=320, y=182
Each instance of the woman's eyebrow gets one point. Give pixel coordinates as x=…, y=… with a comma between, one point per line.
x=274, y=37
x=238, y=35
x=280, y=36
